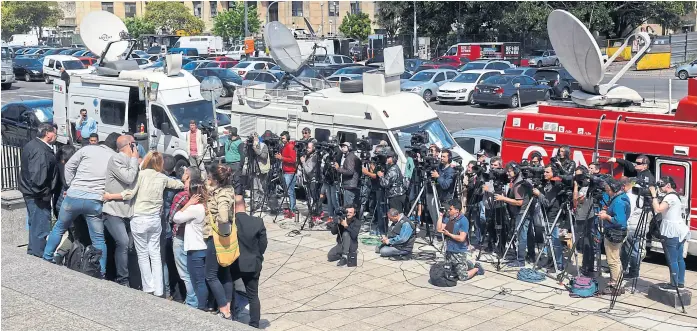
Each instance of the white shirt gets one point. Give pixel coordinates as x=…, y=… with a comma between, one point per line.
x=635, y=215
x=673, y=225
x=195, y=217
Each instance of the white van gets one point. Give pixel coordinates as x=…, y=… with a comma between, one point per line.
x=119, y=105
x=206, y=45
x=236, y=52
x=23, y=40
x=72, y=65
x=375, y=113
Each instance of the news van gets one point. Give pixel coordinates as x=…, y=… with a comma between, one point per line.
x=206, y=45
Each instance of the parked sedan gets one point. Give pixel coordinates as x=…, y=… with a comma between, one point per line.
x=541, y=58
x=258, y=77
x=559, y=80
x=230, y=79
x=487, y=64
x=221, y=64
x=352, y=72
x=29, y=69
x=427, y=82
x=461, y=88
x=687, y=70
x=527, y=71
x=193, y=65
x=20, y=120
x=510, y=90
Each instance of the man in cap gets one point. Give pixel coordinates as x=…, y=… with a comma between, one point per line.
x=234, y=150
x=350, y=171
x=393, y=182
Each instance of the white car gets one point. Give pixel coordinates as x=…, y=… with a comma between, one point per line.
x=72, y=65
x=244, y=67
x=461, y=88
x=236, y=52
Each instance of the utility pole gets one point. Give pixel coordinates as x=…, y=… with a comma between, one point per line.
x=416, y=42
x=246, y=26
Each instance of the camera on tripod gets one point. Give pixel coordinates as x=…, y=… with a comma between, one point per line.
x=364, y=146
x=301, y=147
x=594, y=183
x=643, y=188
x=210, y=132
x=380, y=160
x=273, y=142
x=251, y=138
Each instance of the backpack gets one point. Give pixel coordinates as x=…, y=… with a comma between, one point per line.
x=442, y=275
x=84, y=259
x=582, y=287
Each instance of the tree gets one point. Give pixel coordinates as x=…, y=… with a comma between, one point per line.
x=356, y=26
x=138, y=26
x=169, y=16
x=21, y=16
x=230, y=24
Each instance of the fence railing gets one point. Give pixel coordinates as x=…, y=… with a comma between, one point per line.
x=10, y=166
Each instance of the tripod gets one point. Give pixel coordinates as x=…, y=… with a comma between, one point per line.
x=313, y=203
x=499, y=213
x=423, y=200
x=523, y=219
x=564, y=211
x=271, y=178
x=251, y=173
x=419, y=201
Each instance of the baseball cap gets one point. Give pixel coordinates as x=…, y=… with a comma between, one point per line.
x=346, y=143
x=481, y=152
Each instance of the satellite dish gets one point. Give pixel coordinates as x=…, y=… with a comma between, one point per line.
x=211, y=88
x=173, y=64
x=98, y=29
x=393, y=61
x=576, y=49
x=283, y=47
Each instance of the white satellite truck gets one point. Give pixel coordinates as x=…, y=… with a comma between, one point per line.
x=374, y=107
x=155, y=104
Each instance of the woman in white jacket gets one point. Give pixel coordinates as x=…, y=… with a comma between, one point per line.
x=146, y=225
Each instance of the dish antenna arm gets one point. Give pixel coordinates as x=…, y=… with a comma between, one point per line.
x=131, y=44
x=647, y=43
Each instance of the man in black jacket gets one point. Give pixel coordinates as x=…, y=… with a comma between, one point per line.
x=346, y=232
x=252, y=241
x=38, y=181
x=350, y=171
x=393, y=183
x=638, y=169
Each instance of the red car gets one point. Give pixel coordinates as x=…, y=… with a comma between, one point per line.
x=87, y=61
x=223, y=58
x=221, y=64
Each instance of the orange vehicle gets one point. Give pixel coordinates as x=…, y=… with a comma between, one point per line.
x=465, y=52
x=668, y=138
x=87, y=61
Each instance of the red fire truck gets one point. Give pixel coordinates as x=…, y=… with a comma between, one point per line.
x=669, y=139
x=509, y=51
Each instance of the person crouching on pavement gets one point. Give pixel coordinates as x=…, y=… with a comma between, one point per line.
x=454, y=228
x=400, y=236
x=346, y=232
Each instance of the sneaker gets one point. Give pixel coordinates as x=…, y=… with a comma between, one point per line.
x=480, y=269
x=668, y=287
x=342, y=262
x=681, y=285
x=515, y=264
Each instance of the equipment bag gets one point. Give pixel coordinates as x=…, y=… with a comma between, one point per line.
x=442, y=275
x=84, y=259
x=530, y=275
x=583, y=287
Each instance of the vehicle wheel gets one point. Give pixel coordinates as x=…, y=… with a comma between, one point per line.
x=514, y=101
x=6, y=86
x=181, y=163
x=442, y=102
x=539, y=64
x=27, y=77
x=683, y=75
x=224, y=93
x=470, y=98
x=483, y=104
x=548, y=96
x=47, y=80
x=428, y=95
x=556, y=63
x=565, y=94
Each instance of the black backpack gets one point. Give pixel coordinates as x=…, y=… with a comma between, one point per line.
x=442, y=275
x=84, y=259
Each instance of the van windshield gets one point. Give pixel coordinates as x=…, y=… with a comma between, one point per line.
x=200, y=111
x=437, y=134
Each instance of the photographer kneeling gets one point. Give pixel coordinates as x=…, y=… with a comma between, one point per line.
x=400, y=236
x=615, y=230
x=455, y=228
x=346, y=232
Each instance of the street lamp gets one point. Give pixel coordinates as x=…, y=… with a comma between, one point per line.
x=268, y=11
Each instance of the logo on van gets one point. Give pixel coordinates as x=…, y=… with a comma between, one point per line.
x=105, y=37
x=95, y=102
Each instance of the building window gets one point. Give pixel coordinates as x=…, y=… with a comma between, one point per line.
x=108, y=6
x=214, y=8
x=130, y=9
x=198, y=8
x=333, y=8
x=355, y=7
x=273, y=12
x=297, y=8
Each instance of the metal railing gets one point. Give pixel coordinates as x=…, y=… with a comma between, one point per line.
x=294, y=95
x=10, y=166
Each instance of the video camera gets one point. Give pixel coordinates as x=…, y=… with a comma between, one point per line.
x=210, y=132
x=273, y=142
x=379, y=160
x=594, y=183
x=643, y=189
x=301, y=146
x=364, y=146
x=536, y=174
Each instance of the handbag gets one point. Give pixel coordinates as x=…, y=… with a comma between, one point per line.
x=615, y=235
x=227, y=249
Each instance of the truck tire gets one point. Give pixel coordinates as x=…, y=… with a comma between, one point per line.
x=351, y=86
x=181, y=163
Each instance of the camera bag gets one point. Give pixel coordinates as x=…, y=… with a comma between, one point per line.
x=582, y=287
x=442, y=275
x=615, y=235
x=352, y=259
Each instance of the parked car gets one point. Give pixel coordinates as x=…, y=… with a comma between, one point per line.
x=687, y=70
x=477, y=139
x=487, y=64
x=542, y=58
x=236, y=52
x=53, y=63
x=230, y=79
x=559, y=80
x=411, y=64
x=54, y=51
x=266, y=77
x=527, y=71
x=352, y=72
x=244, y=67
x=29, y=69
x=87, y=61
x=510, y=90
x=184, y=51
x=461, y=88
x=427, y=82
x=450, y=61
x=221, y=64
x=224, y=58
x=20, y=120
x=193, y=65
x=404, y=77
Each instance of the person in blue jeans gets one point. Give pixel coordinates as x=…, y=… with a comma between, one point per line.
x=400, y=236
x=521, y=198
x=85, y=173
x=288, y=158
x=674, y=229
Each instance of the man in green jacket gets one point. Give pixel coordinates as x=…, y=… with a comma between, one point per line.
x=234, y=150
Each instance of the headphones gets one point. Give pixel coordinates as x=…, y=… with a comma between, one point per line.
x=514, y=166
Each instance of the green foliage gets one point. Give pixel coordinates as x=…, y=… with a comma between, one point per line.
x=172, y=16
x=138, y=26
x=21, y=16
x=230, y=24
x=356, y=26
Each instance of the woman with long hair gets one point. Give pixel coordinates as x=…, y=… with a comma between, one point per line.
x=146, y=225
x=220, y=204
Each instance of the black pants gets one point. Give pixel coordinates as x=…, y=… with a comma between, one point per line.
x=251, y=286
x=397, y=202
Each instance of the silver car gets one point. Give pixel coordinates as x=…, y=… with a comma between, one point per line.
x=426, y=83
x=541, y=58
x=687, y=70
